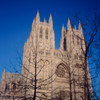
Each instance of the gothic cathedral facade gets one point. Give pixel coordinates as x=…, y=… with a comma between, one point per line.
x=58, y=74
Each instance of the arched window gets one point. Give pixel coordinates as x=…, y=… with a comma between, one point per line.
x=64, y=44
x=73, y=38
x=41, y=32
x=7, y=87
x=46, y=34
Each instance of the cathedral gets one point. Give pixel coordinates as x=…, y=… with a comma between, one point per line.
x=48, y=73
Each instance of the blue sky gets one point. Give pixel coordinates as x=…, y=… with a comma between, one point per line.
x=16, y=18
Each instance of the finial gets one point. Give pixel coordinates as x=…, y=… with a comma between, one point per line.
x=68, y=25
x=50, y=20
x=37, y=17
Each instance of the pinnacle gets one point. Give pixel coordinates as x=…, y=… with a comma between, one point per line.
x=50, y=15
x=4, y=72
x=50, y=20
x=62, y=27
x=37, y=17
x=79, y=27
x=37, y=13
x=63, y=30
x=68, y=25
x=68, y=21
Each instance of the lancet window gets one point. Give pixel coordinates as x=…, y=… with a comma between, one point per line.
x=64, y=44
x=46, y=34
x=73, y=38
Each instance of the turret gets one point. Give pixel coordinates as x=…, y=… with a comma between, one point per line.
x=50, y=21
x=37, y=17
x=68, y=25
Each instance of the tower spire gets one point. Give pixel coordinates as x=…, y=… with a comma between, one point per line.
x=37, y=17
x=50, y=20
x=68, y=25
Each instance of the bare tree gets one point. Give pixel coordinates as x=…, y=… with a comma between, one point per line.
x=90, y=26
x=33, y=79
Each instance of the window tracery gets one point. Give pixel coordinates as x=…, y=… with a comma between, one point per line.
x=60, y=71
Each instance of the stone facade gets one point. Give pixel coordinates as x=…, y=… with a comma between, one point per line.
x=58, y=72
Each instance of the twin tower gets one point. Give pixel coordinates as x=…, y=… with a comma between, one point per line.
x=43, y=33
